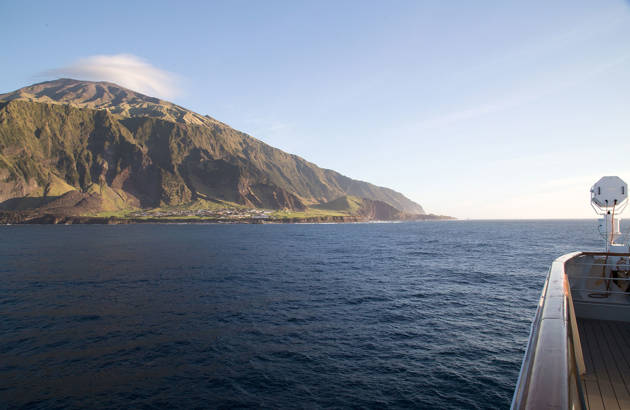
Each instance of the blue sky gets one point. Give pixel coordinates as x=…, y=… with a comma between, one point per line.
x=484, y=109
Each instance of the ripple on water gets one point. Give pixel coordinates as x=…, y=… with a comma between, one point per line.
x=411, y=315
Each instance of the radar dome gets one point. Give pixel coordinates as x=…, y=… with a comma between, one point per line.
x=608, y=192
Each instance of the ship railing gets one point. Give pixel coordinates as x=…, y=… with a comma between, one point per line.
x=553, y=360
x=612, y=265
x=605, y=277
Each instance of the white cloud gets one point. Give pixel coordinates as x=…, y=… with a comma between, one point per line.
x=126, y=70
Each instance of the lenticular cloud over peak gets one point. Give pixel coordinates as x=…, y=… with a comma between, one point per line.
x=126, y=70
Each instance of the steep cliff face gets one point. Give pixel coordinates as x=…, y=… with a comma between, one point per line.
x=119, y=149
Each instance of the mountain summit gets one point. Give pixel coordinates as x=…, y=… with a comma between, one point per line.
x=103, y=95
x=82, y=146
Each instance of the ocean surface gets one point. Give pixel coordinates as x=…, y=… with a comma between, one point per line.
x=398, y=315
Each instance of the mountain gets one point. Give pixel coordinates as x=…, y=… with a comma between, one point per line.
x=107, y=96
x=82, y=147
x=366, y=208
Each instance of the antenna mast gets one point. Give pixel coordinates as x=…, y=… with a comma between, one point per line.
x=609, y=198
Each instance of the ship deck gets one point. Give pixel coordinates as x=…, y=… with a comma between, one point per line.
x=606, y=349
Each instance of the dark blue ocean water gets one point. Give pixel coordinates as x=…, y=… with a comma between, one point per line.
x=407, y=315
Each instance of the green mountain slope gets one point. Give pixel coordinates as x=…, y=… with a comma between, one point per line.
x=366, y=208
x=99, y=146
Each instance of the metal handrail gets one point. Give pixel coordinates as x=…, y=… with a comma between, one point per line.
x=625, y=265
x=553, y=360
x=611, y=292
x=599, y=277
x=588, y=253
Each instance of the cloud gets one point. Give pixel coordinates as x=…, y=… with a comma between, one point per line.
x=126, y=70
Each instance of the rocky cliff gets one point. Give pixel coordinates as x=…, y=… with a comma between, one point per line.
x=84, y=146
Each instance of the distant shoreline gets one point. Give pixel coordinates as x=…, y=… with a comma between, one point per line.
x=15, y=218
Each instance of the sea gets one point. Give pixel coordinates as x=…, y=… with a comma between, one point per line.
x=429, y=315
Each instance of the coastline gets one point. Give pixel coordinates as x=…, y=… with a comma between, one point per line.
x=22, y=218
